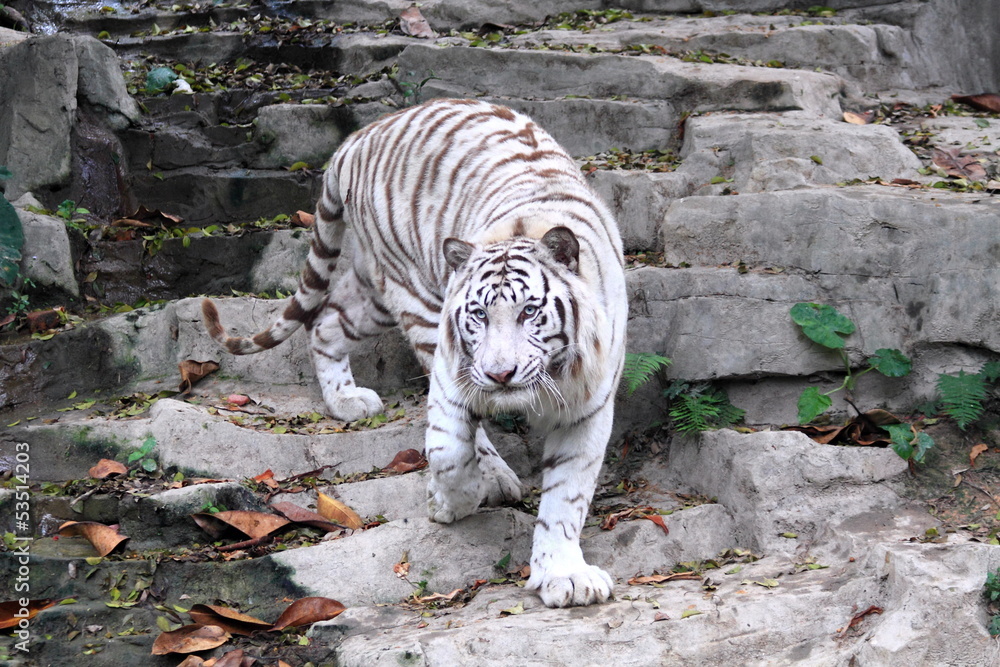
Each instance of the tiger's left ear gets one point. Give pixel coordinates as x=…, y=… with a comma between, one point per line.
x=456, y=252
x=563, y=245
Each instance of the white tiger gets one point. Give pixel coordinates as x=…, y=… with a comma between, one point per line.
x=476, y=233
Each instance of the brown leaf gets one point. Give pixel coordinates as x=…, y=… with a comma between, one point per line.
x=863, y=118
x=660, y=616
x=12, y=612
x=663, y=578
x=658, y=520
x=7, y=319
x=338, y=512
x=964, y=166
x=434, y=597
x=192, y=371
x=106, y=468
x=293, y=512
x=413, y=23
x=984, y=102
x=401, y=569
x=302, y=219
x=193, y=661
x=228, y=619
x=976, y=451
x=857, y=618
x=306, y=611
x=406, y=461
x=43, y=320
x=904, y=181
x=251, y=524
x=144, y=217
x=238, y=399
x=104, y=538
x=230, y=659
x=612, y=519
x=189, y=639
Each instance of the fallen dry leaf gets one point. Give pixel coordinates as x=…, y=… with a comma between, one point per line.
x=859, y=616
x=192, y=371
x=252, y=524
x=658, y=520
x=984, y=102
x=144, y=217
x=976, y=451
x=306, y=611
x=413, y=23
x=189, y=639
x=663, y=578
x=228, y=619
x=406, y=461
x=238, y=399
x=401, y=569
x=302, y=219
x=436, y=597
x=863, y=118
x=660, y=616
x=9, y=611
x=104, y=538
x=106, y=468
x=336, y=511
x=959, y=166
x=43, y=320
x=193, y=661
x=231, y=659
x=293, y=512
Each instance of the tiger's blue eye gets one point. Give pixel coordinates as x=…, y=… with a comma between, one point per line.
x=479, y=313
x=529, y=311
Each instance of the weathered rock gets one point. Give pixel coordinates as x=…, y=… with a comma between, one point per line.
x=46, y=78
x=302, y=133
x=46, y=257
x=975, y=136
x=787, y=151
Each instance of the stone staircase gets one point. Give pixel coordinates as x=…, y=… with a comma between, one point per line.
x=771, y=199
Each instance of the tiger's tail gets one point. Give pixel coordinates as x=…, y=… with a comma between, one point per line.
x=314, y=281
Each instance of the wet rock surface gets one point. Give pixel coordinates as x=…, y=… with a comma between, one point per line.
x=716, y=134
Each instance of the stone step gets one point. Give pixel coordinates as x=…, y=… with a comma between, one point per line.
x=874, y=56
x=635, y=101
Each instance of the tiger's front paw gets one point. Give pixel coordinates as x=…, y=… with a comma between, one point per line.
x=354, y=403
x=502, y=486
x=449, y=505
x=582, y=585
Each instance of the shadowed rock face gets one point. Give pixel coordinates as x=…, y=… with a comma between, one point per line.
x=769, y=199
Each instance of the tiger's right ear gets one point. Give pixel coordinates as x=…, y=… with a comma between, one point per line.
x=456, y=252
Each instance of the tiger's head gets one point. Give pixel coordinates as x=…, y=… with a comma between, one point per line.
x=515, y=320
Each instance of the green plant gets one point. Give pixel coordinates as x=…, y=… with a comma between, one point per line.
x=70, y=213
x=11, y=239
x=991, y=589
x=700, y=407
x=410, y=91
x=963, y=395
x=824, y=325
x=639, y=368
x=20, y=302
x=146, y=462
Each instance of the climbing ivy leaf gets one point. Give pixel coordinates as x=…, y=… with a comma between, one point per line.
x=822, y=323
x=812, y=404
x=891, y=363
x=11, y=239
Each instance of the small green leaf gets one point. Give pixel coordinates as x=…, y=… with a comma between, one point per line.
x=790, y=536
x=982, y=122
x=822, y=323
x=902, y=439
x=717, y=179
x=817, y=159
x=513, y=611
x=688, y=613
x=94, y=560
x=298, y=166
x=891, y=363
x=812, y=404
x=149, y=465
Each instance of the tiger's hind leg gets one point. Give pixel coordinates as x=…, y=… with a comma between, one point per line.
x=500, y=482
x=353, y=312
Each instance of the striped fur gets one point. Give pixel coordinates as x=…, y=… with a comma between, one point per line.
x=477, y=234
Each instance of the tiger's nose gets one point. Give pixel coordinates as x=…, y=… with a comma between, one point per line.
x=503, y=377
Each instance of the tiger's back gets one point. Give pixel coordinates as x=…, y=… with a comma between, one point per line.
x=478, y=235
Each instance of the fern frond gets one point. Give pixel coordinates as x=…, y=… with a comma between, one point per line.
x=962, y=396
x=990, y=371
x=703, y=408
x=640, y=367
